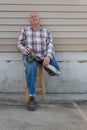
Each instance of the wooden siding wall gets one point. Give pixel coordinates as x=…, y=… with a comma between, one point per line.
x=67, y=19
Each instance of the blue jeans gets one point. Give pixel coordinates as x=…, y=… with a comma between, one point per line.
x=31, y=73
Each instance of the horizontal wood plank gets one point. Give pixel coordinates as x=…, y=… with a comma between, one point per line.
x=54, y=28
x=40, y=8
x=55, y=34
x=59, y=41
x=43, y=15
x=68, y=2
x=62, y=22
x=58, y=48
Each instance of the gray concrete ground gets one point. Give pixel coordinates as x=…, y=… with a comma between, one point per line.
x=54, y=115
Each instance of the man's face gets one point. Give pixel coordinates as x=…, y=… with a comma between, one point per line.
x=34, y=19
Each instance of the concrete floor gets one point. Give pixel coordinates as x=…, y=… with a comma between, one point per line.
x=62, y=115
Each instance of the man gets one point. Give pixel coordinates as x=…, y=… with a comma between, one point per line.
x=39, y=40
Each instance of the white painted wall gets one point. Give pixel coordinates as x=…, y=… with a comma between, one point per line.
x=73, y=78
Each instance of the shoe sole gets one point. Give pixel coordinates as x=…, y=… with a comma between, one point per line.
x=31, y=108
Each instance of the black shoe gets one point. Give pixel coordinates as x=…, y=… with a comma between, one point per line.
x=32, y=105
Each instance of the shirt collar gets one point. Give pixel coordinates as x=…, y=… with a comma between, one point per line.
x=38, y=29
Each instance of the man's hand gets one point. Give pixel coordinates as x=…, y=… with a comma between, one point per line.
x=46, y=61
x=27, y=51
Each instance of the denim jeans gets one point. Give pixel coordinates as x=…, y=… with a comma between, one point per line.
x=54, y=63
x=31, y=73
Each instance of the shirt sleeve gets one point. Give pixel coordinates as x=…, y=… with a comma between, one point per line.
x=50, y=47
x=21, y=40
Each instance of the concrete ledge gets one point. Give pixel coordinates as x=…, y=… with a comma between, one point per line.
x=19, y=98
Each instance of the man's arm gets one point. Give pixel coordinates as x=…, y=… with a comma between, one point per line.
x=21, y=41
x=50, y=47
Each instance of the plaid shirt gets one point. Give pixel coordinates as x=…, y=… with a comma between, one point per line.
x=40, y=41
